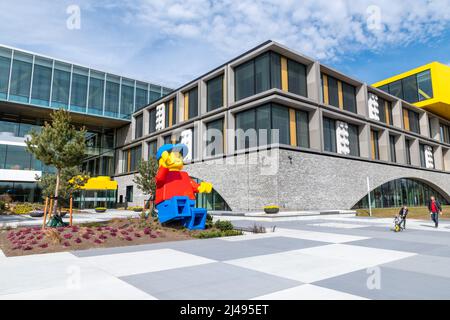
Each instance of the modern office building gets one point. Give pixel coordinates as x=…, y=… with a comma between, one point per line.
x=32, y=85
x=271, y=126
x=295, y=133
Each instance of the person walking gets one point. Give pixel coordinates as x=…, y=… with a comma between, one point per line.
x=402, y=214
x=435, y=209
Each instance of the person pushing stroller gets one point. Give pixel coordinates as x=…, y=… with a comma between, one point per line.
x=400, y=219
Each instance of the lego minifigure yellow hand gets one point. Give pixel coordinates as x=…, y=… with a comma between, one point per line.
x=165, y=160
x=205, y=187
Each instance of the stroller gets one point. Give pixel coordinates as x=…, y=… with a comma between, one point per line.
x=398, y=221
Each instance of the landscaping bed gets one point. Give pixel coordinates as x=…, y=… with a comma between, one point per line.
x=420, y=213
x=114, y=233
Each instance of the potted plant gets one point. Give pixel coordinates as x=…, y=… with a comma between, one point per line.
x=271, y=209
x=137, y=209
x=100, y=209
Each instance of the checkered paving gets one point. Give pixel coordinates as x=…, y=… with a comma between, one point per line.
x=321, y=258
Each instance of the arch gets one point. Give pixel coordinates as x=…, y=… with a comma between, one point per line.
x=395, y=193
x=212, y=201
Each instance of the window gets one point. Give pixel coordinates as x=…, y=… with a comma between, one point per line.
x=333, y=93
x=424, y=84
x=127, y=98
x=141, y=95
x=214, y=137
x=61, y=85
x=302, y=127
x=385, y=111
x=392, y=152
x=171, y=112
x=191, y=104
x=214, y=88
x=96, y=84
x=42, y=78
x=353, y=138
x=132, y=158
x=112, y=96
x=374, y=137
x=245, y=80
x=408, y=151
x=410, y=92
x=280, y=121
x=246, y=121
x=445, y=133
x=21, y=77
x=138, y=130
x=78, y=98
x=349, y=97
x=129, y=194
x=5, y=63
x=411, y=120
x=152, y=121
x=17, y=158
x=152, y=149
x=296, y=78
x=262, y=73
x=329, y=134
x=396, y=89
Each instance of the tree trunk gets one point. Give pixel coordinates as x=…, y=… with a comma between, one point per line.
x=55, y=207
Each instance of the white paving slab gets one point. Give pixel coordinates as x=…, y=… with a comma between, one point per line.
x=319, y=263
x=110, y=288
x=309, y=292
x=125, y=264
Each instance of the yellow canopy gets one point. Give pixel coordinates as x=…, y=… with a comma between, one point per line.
x=100, y=183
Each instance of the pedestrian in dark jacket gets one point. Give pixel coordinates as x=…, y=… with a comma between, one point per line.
x=435, y=209
x=402, y=214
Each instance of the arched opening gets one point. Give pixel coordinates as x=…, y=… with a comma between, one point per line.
x=395, y=193
x=211, y=201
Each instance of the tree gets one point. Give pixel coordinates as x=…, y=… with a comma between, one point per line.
x=71, y=180
x=145, y=178
x=59, y=144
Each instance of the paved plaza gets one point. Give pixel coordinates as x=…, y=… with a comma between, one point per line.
x=322, y=257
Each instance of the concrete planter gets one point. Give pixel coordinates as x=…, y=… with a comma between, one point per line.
x=100, y=210
x=271, y=210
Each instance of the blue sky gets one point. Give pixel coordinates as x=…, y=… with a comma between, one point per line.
x=171, y=42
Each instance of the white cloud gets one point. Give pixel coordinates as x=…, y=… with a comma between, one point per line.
x=173, y=41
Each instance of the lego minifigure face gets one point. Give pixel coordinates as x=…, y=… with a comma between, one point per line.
x=172, y=160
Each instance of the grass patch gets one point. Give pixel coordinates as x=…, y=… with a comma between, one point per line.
x=414, y=213
x=216, y=233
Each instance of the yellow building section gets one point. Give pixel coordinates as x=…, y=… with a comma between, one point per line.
x=439, y=103
x=100, y=183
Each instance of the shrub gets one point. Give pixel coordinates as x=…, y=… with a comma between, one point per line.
x=2, y=205
x=217, y=234
x=22, y=208
x=209, y=221
x=223, y=225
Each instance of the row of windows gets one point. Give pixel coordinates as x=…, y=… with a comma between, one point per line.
x=292, y=126
x=62, y=85
x=415, y=88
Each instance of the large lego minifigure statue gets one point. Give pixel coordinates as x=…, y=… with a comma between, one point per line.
x=175, y=190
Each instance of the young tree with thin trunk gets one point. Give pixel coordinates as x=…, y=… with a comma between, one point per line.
x=59, y=144
x=145, y=178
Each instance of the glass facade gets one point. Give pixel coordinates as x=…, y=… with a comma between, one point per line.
x=214, y=94
x=211, y=201
x=21, y=191
x=51, y=83
x=396, y=193
x=415, y=88
x=90, y=199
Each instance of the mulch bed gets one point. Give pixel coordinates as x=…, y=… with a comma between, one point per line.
x=114, y=233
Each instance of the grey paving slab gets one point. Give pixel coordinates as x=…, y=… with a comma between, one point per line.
x=434, y=265
x=400, y=245
x=211, y=281
x=394, y=284
x=225, y=250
